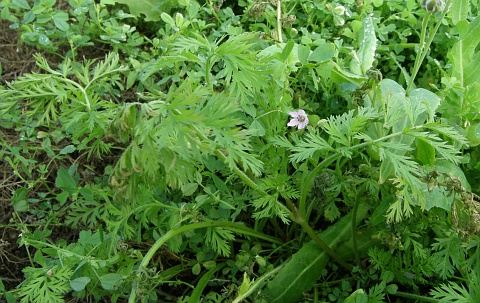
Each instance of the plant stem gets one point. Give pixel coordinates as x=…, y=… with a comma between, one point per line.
x=354, y=231
x=236, y=227
x=424, y=47
x=422, y=51
x=279, y=21
x=415, y=297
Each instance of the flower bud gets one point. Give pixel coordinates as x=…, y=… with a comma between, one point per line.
x=433, y=6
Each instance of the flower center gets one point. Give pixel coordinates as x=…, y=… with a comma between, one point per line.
x=301, y=119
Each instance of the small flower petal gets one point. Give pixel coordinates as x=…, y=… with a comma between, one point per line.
x=293, y=122
x=300, y=119
x=302, y=125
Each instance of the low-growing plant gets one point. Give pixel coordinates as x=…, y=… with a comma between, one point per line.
x=250, y=150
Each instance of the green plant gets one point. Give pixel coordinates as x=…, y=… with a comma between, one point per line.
x=206, y=191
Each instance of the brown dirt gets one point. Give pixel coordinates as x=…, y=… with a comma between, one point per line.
x=16, y=59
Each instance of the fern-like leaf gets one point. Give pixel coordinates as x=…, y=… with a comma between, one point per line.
x=45, y=285
x=449, y=255
x=218, y=238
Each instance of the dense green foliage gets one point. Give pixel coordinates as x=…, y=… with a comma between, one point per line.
x=170, y=155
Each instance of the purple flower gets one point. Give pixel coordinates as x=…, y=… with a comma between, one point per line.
x=299, y=120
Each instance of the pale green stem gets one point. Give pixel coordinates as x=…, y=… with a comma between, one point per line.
x=279, y=21
x=424, y=47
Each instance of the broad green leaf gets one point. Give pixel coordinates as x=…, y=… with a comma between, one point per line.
x=108, y=281
x=189, y=189
x=386, y=170
x=196, y=269
x=460, y=10
x=425, y=152
x=378, y=216
x=303, y=53
x=438, y=197
x=151, y=9
x=340, y=75
x=21, y=4
x=67, y=150
x=366, y=51
x=257, y=129
x=391, y=289
x=322, y=53
x=79, y=283
x=357, y=296
x=473, y=134
x=287, y=50
x=402, y=113
x=168, y=19
x=303, y=269
x=19, y=199
x=65, y=181
x=450, y=168
x=429, y=100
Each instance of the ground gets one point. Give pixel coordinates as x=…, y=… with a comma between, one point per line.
x=16, y=59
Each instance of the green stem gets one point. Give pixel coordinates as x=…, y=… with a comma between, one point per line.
x=236, y=227
x=354, y=231
x=279, y=21
x=214, y=13
x=424, y=48
x=415, y=297
x=422, y=51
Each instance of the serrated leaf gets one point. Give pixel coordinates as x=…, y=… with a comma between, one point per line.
x=301, y=272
